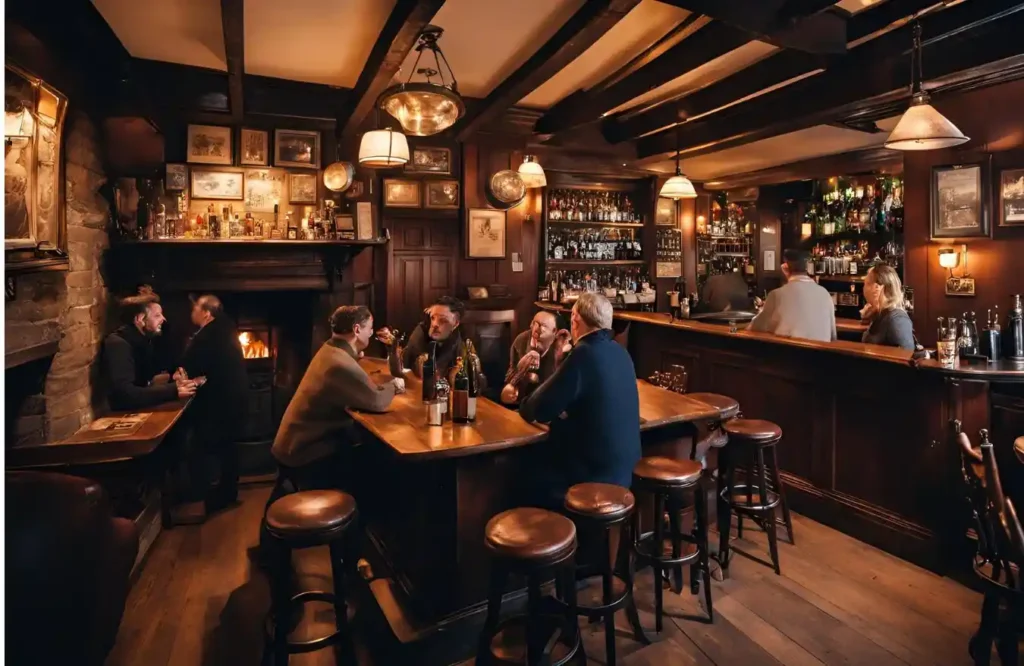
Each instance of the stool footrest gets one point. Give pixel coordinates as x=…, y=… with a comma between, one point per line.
x=739, y=504
x=647, y=557
x=517, y=623
x=613, y=606
x=312, y=645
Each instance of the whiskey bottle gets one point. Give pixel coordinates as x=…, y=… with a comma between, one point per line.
x=473, y=363
x=1014, y=338
x=460, y=393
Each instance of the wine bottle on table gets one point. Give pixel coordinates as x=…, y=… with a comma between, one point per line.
x=460, y=393
x=473, y=365
x=430, y=375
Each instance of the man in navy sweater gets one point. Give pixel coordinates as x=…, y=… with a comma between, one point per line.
x=592, y=405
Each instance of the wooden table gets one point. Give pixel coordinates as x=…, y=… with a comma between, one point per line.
x=425, y=494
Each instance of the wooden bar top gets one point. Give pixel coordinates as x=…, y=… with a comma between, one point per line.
x=403, y=427
x=89, y=446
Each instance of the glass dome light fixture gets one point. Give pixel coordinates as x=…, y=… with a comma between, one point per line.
x=532, y=172
x=424, y=108
x=922, y=127
x=383, y=148
x=678, y=186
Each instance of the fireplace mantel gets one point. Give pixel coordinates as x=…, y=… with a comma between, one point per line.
x=231, y=265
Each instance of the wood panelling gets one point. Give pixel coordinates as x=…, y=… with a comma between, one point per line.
x=992, y=118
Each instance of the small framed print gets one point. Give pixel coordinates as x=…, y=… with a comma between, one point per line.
x=665, y=213
x=401, y=193
x=176, y=178
x=430, y=160
x=344, y=223
x=958, y=196
x=485, y=233
x=218, y=184
x=255, y=147
x=442, y=194
x=297, y=148
x=301, y=188
x=208, y=144
x=1011, y=198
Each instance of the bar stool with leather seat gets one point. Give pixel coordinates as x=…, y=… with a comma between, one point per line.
x=752, y=444
x=534, y=543
x=600, y=511
x=669, y=481
x=303, y=520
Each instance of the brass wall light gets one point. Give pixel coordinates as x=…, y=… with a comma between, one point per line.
x=962, y=285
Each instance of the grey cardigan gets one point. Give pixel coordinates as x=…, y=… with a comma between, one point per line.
x=891, y=327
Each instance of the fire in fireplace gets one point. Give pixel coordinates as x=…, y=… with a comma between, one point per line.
x=255, y=344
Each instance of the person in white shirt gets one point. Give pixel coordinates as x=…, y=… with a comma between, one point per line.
x=799, y=309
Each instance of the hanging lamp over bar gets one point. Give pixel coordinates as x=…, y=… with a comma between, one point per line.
x=922, y=127
x=424, y=108
x=678, y=186
x=383, y=148
x=532, y=172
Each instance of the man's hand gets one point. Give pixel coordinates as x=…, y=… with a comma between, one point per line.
x=530, y=359
x=386, y=336
x=509, y=394
x=186, y=390
x=161, y=378
x=562, y=345
x=399, y=385
x=179, y=375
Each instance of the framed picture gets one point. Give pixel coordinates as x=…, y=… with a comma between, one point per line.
x=442, y=194
x=301, y=188
x=344, y=223
x=401, y=193
x=430, y=160
x=958, y=202
x=176, y=177
x=218, y=184
x=485, y=234
x=1011, y=197
x=255, y=149
x=297, y=148
x=263, y=189
x=209, y=144
x=665, y=213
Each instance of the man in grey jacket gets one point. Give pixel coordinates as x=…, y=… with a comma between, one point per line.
x=799, y=309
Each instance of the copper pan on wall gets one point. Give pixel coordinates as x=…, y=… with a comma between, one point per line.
x=505, y=189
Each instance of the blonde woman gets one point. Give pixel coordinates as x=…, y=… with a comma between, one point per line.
x=890, y=323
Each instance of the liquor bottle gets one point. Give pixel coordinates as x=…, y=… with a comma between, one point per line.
x=474, y=379
x=1014, y=340
x=991, y=341
x=250, y=224
x=395, y=354
x=213, y=222
x=293, y=229
x=460, y=393
x=430, y=375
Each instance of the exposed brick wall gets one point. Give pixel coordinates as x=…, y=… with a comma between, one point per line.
x=70, y=307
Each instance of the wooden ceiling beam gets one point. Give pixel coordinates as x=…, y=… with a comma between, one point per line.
x=586, y=26
x=232, y=17
x=706, y=44
x=396, y=40
x=959, y=40
x=773, y=70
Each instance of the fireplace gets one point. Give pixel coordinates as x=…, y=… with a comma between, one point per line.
x=257, y=342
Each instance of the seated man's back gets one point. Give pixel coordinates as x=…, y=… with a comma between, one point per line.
x=799, y=309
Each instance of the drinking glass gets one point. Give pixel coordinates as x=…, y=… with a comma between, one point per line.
x=947, y=353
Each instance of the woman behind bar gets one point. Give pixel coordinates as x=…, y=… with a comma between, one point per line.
x=890, y=323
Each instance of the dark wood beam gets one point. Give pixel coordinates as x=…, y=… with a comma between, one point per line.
x=396, y=40
x=707, y=43
x=232, y=17
x=778, y=22
x=963, y=37
x=771, y=71
x=878, y=160
x=866, y=126
x=579, y=33
x=686, y=27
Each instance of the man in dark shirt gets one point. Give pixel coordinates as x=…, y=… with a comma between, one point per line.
x=592, y=406
x=134, y=376
x=726, y=291
x=440, y=326
x=534, y=352
x=219, y=409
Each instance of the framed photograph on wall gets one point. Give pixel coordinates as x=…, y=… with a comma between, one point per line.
x=297, y=148
x=176, y=177
x=301, y=188
x=442, y=194
x=401, y=193
x=665, y=213
x=218, y=184
x=1011, y=198
x=430, y=160
x=209, y=144
x=485, y=233
x=958, y=202
x=255, y=147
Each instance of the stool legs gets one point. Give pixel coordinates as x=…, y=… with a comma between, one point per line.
x=724, y=490
x=777, y=481
x=768, y=521
x=281, y=596
x=659, y=512
x=632, y=614
x=341, y=565
x=496, y=590
x=702, y=533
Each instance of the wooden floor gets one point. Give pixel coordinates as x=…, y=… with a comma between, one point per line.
x=198, y=601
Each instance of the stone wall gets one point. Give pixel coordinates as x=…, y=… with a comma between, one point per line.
x=71, y=306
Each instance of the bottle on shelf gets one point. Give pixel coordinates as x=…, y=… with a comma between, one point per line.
x=590, y=206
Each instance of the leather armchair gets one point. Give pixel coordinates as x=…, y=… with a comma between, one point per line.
x=68, y=566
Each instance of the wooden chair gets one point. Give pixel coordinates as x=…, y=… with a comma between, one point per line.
x=999, y=561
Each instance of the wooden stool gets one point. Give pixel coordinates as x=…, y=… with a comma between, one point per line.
x=668, y=481
x=749, y=441
x=531, y=542
x=303, y=520
x=602, y=509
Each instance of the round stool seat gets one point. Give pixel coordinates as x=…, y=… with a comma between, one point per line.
x=528, y=533
x=728, y=407
x=310, y=512
x=600, y=500
x=754, y=431
x=668, y=471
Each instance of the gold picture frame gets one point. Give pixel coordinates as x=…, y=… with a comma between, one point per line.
x=209, y=144
x=402, y=193
x=442, y=194
x=430, y=160
x=302, y=188
x=485, y=233
x=253, y=147
x=297, y=148
x=218, y=184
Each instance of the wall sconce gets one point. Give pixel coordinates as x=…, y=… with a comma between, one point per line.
x=805, y=230
x=962, y=285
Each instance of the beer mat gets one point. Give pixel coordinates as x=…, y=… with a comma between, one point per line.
x=122, y=425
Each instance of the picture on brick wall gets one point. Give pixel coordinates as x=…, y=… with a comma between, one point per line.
x=208, y=144
x=255, y=147
x=176, y=178
x=301, y=188
x=218, y=184
x=1011, y=198
x=297, y=148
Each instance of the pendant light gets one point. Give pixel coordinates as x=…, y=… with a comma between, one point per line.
x=922, y=127
x=383, y=148
x=678, y=186
x=426, y=108
x=532, y=173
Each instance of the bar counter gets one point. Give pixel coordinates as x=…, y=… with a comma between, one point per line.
x=865, y=426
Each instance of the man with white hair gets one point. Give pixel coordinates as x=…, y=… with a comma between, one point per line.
x=592, y=405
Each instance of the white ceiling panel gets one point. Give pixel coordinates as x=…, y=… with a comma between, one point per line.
x=187, y=32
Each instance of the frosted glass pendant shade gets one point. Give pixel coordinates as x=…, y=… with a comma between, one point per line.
x=532, y=173
x=678, y=187
x=924, y=128
x=383, y=148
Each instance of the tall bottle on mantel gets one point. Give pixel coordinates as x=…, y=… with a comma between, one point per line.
x=1014, y=337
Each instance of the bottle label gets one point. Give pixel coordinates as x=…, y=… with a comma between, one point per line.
x=471, y=409
x=460, y=405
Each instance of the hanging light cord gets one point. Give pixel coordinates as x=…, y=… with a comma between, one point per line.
x=916, y=74
x=679, y=122
x=428, y=41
